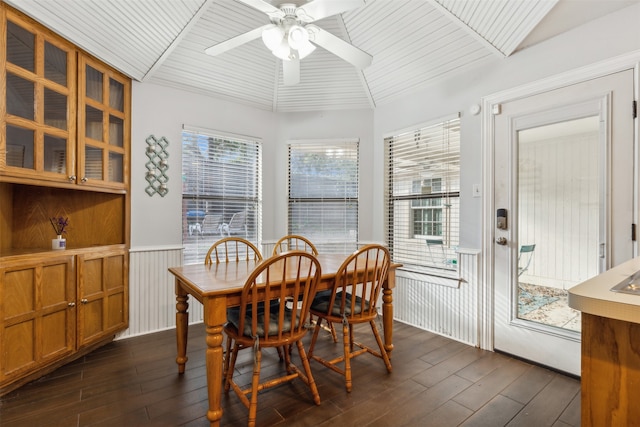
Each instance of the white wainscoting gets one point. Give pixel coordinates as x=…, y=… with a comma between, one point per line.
x=152, y=298
x=419, y=300
x=426, y=303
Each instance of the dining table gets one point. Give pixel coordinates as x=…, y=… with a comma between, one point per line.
x=217, y=287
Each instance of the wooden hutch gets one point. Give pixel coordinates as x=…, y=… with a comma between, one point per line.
x=64, y=152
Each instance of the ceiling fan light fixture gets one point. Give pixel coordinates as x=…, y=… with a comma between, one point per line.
x=297, y=37
x=283, y=50
x=305, y=50
x=273, y=37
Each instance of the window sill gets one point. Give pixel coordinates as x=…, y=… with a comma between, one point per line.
x=448, y=278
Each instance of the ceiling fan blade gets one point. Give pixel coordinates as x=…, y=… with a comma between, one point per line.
x=234, y=42
x=264, y=7
x=318, y=9
x=291, y=72
x=339, y=47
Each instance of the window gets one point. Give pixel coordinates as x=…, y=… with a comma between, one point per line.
x=323, y=193
x=423, y=200
x=221, y=190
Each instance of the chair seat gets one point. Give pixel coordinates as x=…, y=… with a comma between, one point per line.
x=233, y=317
x=323, y=299
x=273, y=307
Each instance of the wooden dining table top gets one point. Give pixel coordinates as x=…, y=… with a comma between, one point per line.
x=227, y=278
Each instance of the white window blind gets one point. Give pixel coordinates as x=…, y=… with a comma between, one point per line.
x=323, y=193
x=423, y=200
x=221, y=190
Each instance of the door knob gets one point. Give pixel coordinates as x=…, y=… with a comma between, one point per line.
x=501, y=241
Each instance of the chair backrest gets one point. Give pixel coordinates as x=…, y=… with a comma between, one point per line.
x=524, y=257
x=294, y=242
x=210, y=224
x=238, y=220
x=288, y=274
x=358, y=283
x=232, y=249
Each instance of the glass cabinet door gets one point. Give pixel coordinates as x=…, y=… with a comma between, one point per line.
x=40, y=131
x=103, y=104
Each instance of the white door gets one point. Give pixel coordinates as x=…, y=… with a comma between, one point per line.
x=563, y=178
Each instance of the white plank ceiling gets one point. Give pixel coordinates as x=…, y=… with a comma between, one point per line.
x=414, y=44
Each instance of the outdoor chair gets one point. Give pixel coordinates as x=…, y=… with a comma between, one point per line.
x=237, y=225
x=524, y=258
x=210, y=224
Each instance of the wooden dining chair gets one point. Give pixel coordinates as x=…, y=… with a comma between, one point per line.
x=279, y=277
x=297, y=242
x=357, y=287
x=232, y=249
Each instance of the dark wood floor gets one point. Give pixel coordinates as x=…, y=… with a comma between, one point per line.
x=435, y=382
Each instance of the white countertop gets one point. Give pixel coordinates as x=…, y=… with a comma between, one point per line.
x=593, y=296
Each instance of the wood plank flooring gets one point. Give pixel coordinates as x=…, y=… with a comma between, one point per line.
x=435, y=382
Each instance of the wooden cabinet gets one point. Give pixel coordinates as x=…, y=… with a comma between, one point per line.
x=610, y=371
x=102, y=295
x=38, y=139
x=64, y=152
x=67, y=115
x=103, y=125
x=37, y=314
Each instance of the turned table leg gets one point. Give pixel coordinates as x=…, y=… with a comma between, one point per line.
x=182, y=326
x=215, y=314
x=387, y=319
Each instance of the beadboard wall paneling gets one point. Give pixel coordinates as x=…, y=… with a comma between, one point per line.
x=152, y=298
x=451, y=311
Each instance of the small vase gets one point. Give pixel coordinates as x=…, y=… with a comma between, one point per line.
x=58, y=243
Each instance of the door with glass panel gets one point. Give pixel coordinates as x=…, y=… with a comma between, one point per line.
x=563, y=206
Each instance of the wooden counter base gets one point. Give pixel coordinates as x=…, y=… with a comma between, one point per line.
x=610, y=372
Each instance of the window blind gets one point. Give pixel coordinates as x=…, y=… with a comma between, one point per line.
x=221, y=191
x=323, y=193
x=423, y=195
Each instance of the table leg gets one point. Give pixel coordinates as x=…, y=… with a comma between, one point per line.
x=215, y=314
x=387, y=319
x=182, y=326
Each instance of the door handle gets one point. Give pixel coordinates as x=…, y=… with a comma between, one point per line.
x=501, y=241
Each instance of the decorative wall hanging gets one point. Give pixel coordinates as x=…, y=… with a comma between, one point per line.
x=157, y=166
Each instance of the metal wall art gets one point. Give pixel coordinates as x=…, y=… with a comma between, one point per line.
x=157, y=166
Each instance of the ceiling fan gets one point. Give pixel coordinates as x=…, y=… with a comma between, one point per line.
x=290, y=36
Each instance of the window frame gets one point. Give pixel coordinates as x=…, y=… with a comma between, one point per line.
x=420, y=243
x=349, y=236
x=199, y=203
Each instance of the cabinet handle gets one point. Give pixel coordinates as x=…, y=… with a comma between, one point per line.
x=72, y=178
x=84, y=179
x=72, y=304
x=84, y=300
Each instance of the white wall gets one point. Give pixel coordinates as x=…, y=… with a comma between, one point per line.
x=160, y=111
x=608, y=37
x=323, y=125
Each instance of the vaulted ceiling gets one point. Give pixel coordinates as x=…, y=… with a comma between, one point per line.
x=414, y=44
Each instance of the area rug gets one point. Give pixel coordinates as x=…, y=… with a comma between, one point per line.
x=531, y=297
